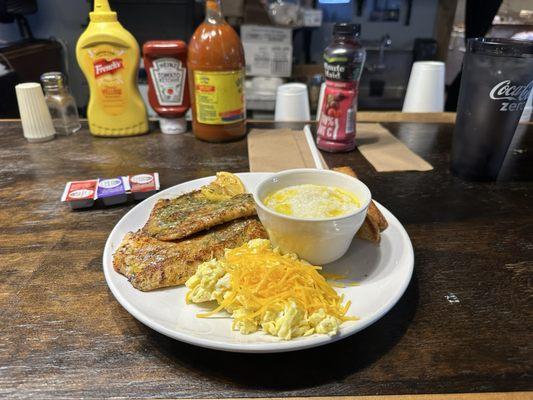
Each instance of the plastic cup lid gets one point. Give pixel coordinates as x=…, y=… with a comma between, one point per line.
x=500, y=47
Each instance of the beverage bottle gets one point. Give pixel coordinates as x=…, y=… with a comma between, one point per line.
x=215, y=63
x=343, y=63
x=168, y=92
x=109, y=58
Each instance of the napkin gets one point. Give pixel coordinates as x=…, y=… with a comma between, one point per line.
x=274, y=150
x=385, y=152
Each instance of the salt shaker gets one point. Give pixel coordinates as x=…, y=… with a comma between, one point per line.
x=61, y=104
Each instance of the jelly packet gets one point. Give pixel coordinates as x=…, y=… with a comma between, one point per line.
x=143, y=185
x=113, y=191
x=80, y=194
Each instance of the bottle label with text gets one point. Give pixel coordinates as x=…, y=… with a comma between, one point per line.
x=219, y=97
x=168, y=75
x=108, y=65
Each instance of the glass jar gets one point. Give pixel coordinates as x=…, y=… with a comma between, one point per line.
x=61, y=104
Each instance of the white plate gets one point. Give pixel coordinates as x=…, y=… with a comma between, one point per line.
x=383, y=273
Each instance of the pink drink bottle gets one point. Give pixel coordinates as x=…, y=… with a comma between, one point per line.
x=343, y=63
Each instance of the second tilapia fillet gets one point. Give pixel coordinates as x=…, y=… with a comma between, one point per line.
x=150, y=264
x=190, y=213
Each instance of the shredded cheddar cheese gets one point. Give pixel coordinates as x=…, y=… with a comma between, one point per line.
x=263, y=289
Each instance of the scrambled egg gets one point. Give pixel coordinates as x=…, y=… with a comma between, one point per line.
x=312, y=201
x=265, y=290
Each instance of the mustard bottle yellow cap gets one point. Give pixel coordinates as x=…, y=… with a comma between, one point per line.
x=102, y=12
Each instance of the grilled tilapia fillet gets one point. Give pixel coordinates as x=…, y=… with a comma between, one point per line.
x=190, y=213
x=150, y=264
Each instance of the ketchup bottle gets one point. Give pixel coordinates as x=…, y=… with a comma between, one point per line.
x=165, y=64
x=343, y=63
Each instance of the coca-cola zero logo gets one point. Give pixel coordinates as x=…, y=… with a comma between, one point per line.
x=516, y=95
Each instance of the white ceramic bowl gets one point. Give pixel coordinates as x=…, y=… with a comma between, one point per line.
x=320, y=240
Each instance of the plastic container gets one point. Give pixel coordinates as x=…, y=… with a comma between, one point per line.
x=109, y=58
x=168, y=91
x=216, y=79
x=343, y=62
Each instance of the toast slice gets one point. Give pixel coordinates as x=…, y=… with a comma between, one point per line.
x=375, y=222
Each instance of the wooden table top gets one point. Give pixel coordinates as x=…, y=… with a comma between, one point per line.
x=463, y=325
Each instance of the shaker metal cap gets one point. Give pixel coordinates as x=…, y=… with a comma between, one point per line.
x=53, y=80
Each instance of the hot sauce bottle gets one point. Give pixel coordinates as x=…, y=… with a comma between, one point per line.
x=109, y=58
x=343, y=63
x=168, y=92
x=216, y=79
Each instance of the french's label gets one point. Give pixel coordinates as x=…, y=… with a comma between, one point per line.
x=168, y=75
x=109, y=66
x=102, y=67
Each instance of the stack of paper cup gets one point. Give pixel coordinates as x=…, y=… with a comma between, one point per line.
x=425, y=91
x=36, y=120
x=292, y=103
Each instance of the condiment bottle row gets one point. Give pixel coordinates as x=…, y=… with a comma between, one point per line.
x=209, y=73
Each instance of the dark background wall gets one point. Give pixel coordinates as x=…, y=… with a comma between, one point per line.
x=150, y=19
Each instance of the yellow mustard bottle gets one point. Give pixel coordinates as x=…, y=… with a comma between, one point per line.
x=109, y=58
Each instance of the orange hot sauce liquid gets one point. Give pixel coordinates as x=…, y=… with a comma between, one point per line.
x=215, y=46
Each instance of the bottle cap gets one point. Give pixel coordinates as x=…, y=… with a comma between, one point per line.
x=53, y=80
x=36, y=120
x=172, y=126
x=102, y=12
x=346, y=29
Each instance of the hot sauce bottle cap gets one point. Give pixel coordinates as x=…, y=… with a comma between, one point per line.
x=173, y=126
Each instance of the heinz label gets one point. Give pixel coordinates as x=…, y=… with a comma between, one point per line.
x=169, y=77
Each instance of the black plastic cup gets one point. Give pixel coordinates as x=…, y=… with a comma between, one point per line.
x=496, y=82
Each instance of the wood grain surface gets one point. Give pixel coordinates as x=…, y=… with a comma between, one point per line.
x=463, y=325
x=454, y=396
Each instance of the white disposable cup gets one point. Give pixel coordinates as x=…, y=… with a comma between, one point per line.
x=292, y=103
x=425, y=90
x=34, y=114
